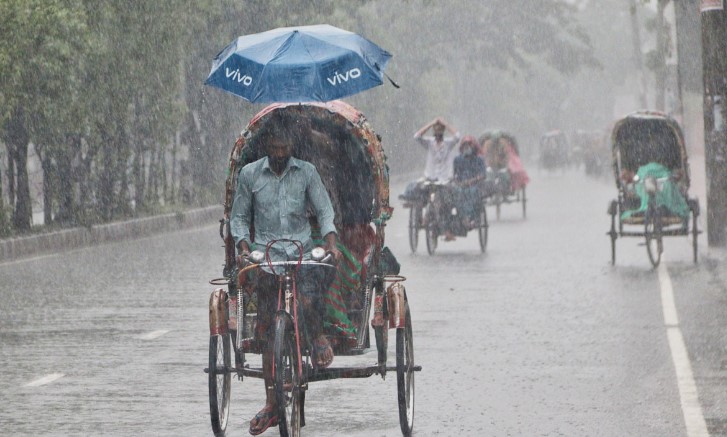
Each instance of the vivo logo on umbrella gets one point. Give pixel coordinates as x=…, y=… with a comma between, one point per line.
x=339, y=78
x=239, y=77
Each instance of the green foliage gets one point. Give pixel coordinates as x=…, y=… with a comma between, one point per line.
x=124, y=126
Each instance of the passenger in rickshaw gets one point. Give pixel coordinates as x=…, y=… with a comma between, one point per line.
x=652, y=153
x=668, y=197
x=261, y=187
x=469, y=174
x=504, y=166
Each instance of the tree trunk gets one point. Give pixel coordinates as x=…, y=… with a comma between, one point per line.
x=66, y=181
x=16, y=137
x=11, y=174
x=23, y=214
x=48, y=192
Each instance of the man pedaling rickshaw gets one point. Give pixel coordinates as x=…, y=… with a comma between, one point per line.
x=441, y=154
x=278, y=190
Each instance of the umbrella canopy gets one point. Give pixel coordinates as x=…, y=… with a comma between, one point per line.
x=298, y=64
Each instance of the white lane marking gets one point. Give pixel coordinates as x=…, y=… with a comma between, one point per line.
x=691, y=409
x=47, y=379
x=153, y=334
x=667, y=297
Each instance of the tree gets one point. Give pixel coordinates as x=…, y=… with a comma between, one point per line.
x=39, y=44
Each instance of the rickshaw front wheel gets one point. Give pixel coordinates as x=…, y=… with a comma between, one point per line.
x=405, y=374
x=483, y=229
x=288, y=379
x=695, y=231
x=652, y=232
x=219, y=382
x=431, y=229
x=415, y=220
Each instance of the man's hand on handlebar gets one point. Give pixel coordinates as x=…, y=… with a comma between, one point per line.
x=332, y=247
x=244, y=254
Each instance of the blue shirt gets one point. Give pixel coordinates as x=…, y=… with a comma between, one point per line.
x=468, y=167
x=280, y=204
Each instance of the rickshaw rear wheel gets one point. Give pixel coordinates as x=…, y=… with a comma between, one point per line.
x=219, y=382
x=405, y=374
x=288, y=378
x=415, y=213
x=695, y=234
x=483, y=229
x=652, y=232
x=524, y=201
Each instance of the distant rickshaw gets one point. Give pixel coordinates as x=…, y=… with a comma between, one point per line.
x=652, y=176
x=596, y=153
x=506, y=175
x=554, y=151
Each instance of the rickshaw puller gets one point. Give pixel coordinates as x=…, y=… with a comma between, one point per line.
x=440, y=164
x=276, y=190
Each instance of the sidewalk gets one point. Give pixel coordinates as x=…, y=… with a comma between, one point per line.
x=22, y=247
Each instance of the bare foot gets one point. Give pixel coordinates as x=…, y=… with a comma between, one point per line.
x=322, y=352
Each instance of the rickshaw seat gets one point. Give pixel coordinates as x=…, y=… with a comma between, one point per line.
x=638, y=219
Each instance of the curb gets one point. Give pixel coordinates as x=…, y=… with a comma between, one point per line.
x=53, y=242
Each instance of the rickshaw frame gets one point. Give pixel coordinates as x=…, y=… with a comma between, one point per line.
x=423, y=217
x=229, y=324
x=654, y=223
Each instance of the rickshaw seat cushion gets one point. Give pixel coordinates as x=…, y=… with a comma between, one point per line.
x=665, y=220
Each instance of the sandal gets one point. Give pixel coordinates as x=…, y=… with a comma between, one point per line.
x=320, y=350
x=264, y=419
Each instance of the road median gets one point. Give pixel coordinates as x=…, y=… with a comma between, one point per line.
x=67, y=239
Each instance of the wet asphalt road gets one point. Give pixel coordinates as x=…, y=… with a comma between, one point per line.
x=539, y=336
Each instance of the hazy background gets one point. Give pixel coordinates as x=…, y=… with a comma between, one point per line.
x=106, y=99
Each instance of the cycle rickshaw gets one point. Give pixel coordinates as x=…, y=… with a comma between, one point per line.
x=351, y=161
x=554, y=151
x=652, y=177
x=430, y=210
x=506, y=175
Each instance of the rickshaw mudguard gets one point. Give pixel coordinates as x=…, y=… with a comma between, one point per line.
x=396, y=295
x=218, y=312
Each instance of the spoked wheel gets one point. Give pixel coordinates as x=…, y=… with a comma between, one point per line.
x=612, y=210
x=652, y=231
x=482, y=229
x=288, y=378
x=431, y=230
x=524, y=200
x=415, y=219
x=405, y=374
x=219, y=382
x=695, y=234
x=612, y=234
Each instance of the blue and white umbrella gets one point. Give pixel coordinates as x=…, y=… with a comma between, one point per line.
x=299, y=64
